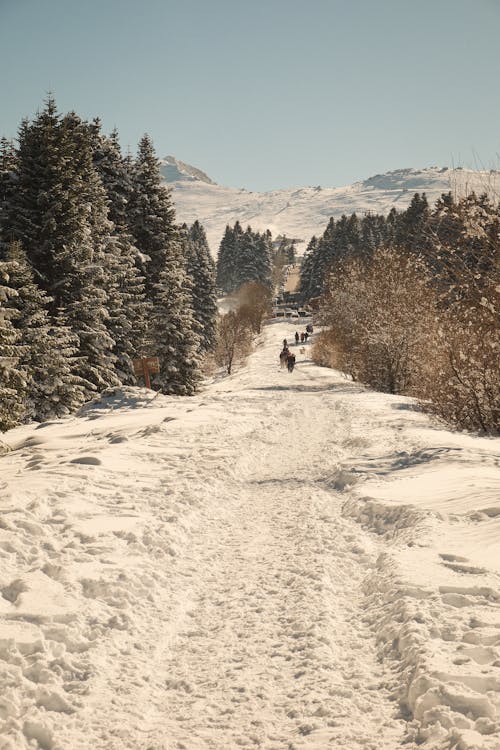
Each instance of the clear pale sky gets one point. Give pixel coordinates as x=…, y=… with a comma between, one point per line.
x=264, y=94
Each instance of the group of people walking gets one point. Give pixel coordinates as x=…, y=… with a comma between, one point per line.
x=287, y=358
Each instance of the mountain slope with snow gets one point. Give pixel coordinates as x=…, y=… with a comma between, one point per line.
x=283, y=560
x=302, y=212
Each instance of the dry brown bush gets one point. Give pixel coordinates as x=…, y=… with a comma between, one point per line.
x=234, y=339
x=463, y=387
x=381, y=315
x=324, y=350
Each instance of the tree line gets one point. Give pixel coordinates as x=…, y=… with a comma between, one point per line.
x=244, y=256
x=94, y=271
x=410, y=303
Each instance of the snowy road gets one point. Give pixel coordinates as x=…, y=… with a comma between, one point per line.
x=201, y=574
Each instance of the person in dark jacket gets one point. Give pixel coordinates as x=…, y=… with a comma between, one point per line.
x=290, y=362
x=297, y=337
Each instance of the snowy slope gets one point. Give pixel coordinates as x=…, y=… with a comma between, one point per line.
x=282, y=561
x=303, y=212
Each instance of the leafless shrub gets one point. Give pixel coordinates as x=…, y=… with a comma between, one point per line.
x=381, y=315
x=325, y=349
x=463, y=387
x=234, y=339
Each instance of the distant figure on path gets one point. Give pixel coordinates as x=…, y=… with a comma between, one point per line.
x=309, y=328
x=306, y=336
x=290, y=362
x=284, y=358
x=296, y=338
x=285, y=344
x=302, y=337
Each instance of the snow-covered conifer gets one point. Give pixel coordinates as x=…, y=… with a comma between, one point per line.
x=125, y=286
x=8, y=178
x=226, y=260
x=174, y=330
x=151, y=216
x=12, y=375
x=306, y=288
x=48, y=351
x=201, y=269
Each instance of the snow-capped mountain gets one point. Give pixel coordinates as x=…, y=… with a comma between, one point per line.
x=174, y=170
x=302, y=212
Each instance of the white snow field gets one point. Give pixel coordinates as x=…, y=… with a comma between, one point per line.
x=304, y=211
x=285, y=561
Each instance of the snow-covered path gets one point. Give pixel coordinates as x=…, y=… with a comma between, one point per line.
x=203, y=573
x=269, y=645
x=275, y=653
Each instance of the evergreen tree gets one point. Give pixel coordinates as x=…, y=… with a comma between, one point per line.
x=226, y=262
x=411, y=222
x=48, y=351
x=201, y=269
x=151, y=217
x=369, y=235
x=323, y=258
x=59, y=214
x=171, y=331
x=47, y=214
x=244, y=257
x=247, y=268
x=125, y=285
x=176, y=342
x=12, y=376
x=87, y=309
x=264, y=254
x=8, y=161
x=306, y=288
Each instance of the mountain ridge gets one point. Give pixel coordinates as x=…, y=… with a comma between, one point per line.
x=301, y=212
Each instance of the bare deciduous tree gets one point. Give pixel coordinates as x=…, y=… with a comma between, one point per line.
x=234, y=339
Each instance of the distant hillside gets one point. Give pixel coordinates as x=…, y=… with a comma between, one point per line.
x=302, y=212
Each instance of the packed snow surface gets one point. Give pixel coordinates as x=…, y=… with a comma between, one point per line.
x=285, y=561
x=303, y=212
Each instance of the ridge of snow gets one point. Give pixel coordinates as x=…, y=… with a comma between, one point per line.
x=303, y=212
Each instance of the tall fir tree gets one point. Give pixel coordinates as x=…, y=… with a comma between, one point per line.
x=174, y=332
x=247, y=261
x=48, y=351
x=87, y=310
x=171, y=331
x=12, y=376
x=265, y=263
x=8, y=163
x=226, y=262
x=306, y=288
x=201, y=269
x=58, y=213
x=151, y=216
x=125, y=284
x=411, y=223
